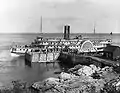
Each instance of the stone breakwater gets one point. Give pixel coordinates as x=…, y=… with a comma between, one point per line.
x=82, y=79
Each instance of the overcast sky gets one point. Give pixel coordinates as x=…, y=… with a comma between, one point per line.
x=24, y=15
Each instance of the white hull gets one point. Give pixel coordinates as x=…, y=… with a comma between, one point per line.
x=18, y=51
x=41, y=57
x=14, y=55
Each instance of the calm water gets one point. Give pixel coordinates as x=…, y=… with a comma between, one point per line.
x=15, y=68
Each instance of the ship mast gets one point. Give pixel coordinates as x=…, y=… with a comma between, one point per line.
x=41, y=25
x=116, y=26
x=94, y=29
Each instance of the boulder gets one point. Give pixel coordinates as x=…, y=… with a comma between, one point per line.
x=66, y=76
x=86, y=70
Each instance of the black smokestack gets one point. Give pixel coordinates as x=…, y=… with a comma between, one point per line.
x=67, y=32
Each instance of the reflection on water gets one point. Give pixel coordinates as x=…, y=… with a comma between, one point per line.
x=15, y=68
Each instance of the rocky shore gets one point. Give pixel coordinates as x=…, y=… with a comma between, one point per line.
x=79, y=79
x=82, y=79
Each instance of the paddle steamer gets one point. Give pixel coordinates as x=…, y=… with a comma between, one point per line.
x=48, y=49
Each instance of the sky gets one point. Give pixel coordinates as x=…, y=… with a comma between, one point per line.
x=23, y=16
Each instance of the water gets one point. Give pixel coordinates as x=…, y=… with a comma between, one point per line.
x=15, y=68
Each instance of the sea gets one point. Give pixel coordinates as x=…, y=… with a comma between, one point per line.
x=15, y=68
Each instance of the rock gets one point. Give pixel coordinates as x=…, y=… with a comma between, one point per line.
x=108, y=69
x=82, y=79
x=95, y=68
x=112, y=86
x=66, y=76
x=46, y=84
x=86, y=70
x=37, y=85
x=52, y=80
x=118, y=84
x=75, y=68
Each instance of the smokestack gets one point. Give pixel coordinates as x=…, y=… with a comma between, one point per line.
x=67, y=32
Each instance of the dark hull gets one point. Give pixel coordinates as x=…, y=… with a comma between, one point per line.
x=17, y=54
x=72, y=59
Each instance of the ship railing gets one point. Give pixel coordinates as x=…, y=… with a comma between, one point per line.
x=45, y=50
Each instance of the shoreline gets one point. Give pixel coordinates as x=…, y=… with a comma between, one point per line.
x=98, y=79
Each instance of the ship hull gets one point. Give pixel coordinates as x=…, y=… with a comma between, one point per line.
x=14, y=55
x=41, y=57
x=17, y=54
x=73, y=59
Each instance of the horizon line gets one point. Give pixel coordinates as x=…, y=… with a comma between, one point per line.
x=52, y=33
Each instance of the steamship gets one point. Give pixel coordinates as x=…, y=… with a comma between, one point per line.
x=48, y=49
x=78, y=43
